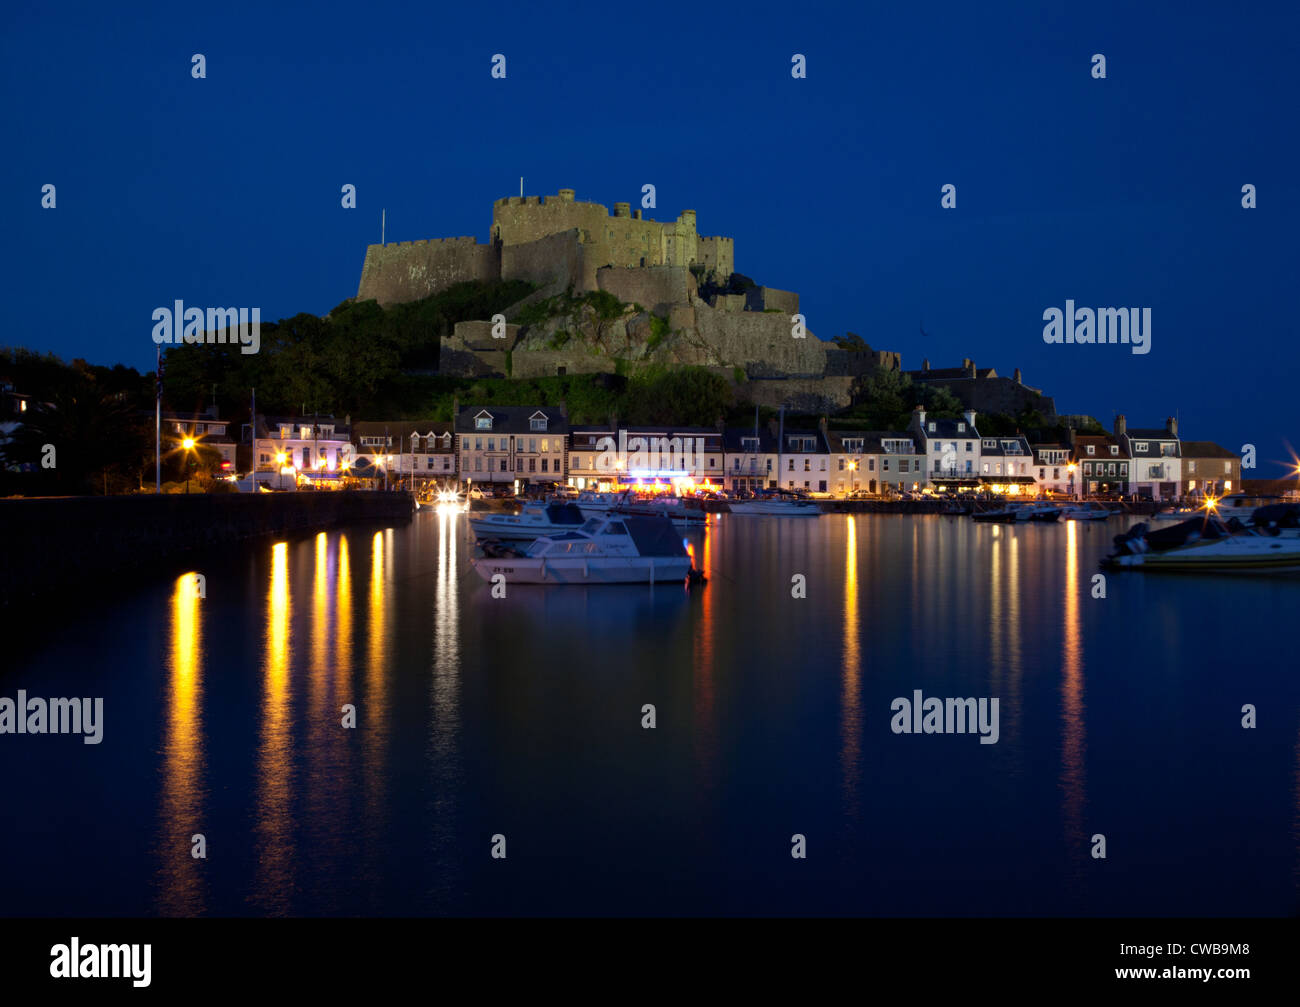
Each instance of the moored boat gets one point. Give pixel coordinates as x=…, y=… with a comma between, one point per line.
x=775, y=507
x=532, y=520
x=616, y=549
x=1089, y=510
x=1204, y=544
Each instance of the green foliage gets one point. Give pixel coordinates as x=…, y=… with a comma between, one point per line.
x=691, y=396
x=850, y=341
x=559, y=340
x=658, y=332
x=739, y=375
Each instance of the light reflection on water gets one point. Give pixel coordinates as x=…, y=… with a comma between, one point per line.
x=473, y=712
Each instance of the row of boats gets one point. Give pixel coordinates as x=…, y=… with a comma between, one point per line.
x=1018, y=512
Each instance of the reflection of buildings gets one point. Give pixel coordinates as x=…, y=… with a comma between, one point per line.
x=274, y=818
x=1073, y=749
x=181, y=888
x=851, y=700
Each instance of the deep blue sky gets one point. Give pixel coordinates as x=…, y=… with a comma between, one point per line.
x=1116, y=192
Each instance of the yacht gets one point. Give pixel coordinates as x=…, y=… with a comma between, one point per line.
x=776, y=507
x=1087, y=511
x=1016, y=512
x=678, y=509
x=615, y=549
x=533, y=519
x=1205, y=544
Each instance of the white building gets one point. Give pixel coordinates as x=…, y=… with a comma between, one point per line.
x=1155, y=467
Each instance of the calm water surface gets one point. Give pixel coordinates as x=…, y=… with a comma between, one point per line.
x=522, y=717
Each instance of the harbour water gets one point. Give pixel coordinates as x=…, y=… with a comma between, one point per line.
x=522, y=718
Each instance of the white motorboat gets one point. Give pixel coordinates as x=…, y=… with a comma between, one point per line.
x=775, y=507
x=1019, y=511
x=615, y=549
x=1087, y=511
x=1204, y=544
x=533, y=519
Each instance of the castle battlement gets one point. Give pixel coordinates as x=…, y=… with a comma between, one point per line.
x=554, y=239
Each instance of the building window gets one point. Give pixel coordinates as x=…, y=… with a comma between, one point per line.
x=1091, y=449
x=482, y=422
x=492, y=444
x=537, y=423
x=478, y=464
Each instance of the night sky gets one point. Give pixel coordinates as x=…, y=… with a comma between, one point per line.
x=1117, y=192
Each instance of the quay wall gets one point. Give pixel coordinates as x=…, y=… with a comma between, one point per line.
x=56, y=545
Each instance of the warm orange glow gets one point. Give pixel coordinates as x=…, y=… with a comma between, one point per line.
x=188, y=443
x=181, y=890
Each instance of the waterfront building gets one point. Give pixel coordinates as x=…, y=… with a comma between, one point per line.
x=206, y=430
x=604, y=456
x=803, y=460
x=1208, y=469
x=950, y=448
x=874, y=461
x=415, y=453
x=1156, y=458
x=750, y=458
x=317, y=449
x=1006, y=465
x=1054, y=470
x=511, y=446
x=1101, y=465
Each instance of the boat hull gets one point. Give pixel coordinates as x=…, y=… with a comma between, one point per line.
x=766, y=510
x=609, y=570
x=1224, y=556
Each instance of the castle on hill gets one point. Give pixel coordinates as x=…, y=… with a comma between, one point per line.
x=683, y=303
x=546, y=240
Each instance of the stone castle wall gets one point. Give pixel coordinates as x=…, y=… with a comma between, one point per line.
x=555, y=260
x=655, y=288
x=761, y=343
x=411, y=270
x=771, y=299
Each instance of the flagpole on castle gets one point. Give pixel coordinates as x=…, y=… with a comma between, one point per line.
x=383, y=225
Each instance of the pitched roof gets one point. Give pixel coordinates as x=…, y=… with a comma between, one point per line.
x=512, y=419
x=1206, y=449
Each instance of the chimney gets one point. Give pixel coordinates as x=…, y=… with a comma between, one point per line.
x=1121, y=426
x=1171, y=425
x=1016, y=377
x=821, y=424
x=918, y=414
x=1070, y=435
x=970, y=368
x=773, y=427
x=925, y=364
x=970, y=417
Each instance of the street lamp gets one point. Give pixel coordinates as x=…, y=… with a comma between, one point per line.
x=188, y=445
x=853, y=467
x=1070, y=468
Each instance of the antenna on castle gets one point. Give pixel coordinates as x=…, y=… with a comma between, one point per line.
x=383, y=224
x=521, y=186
